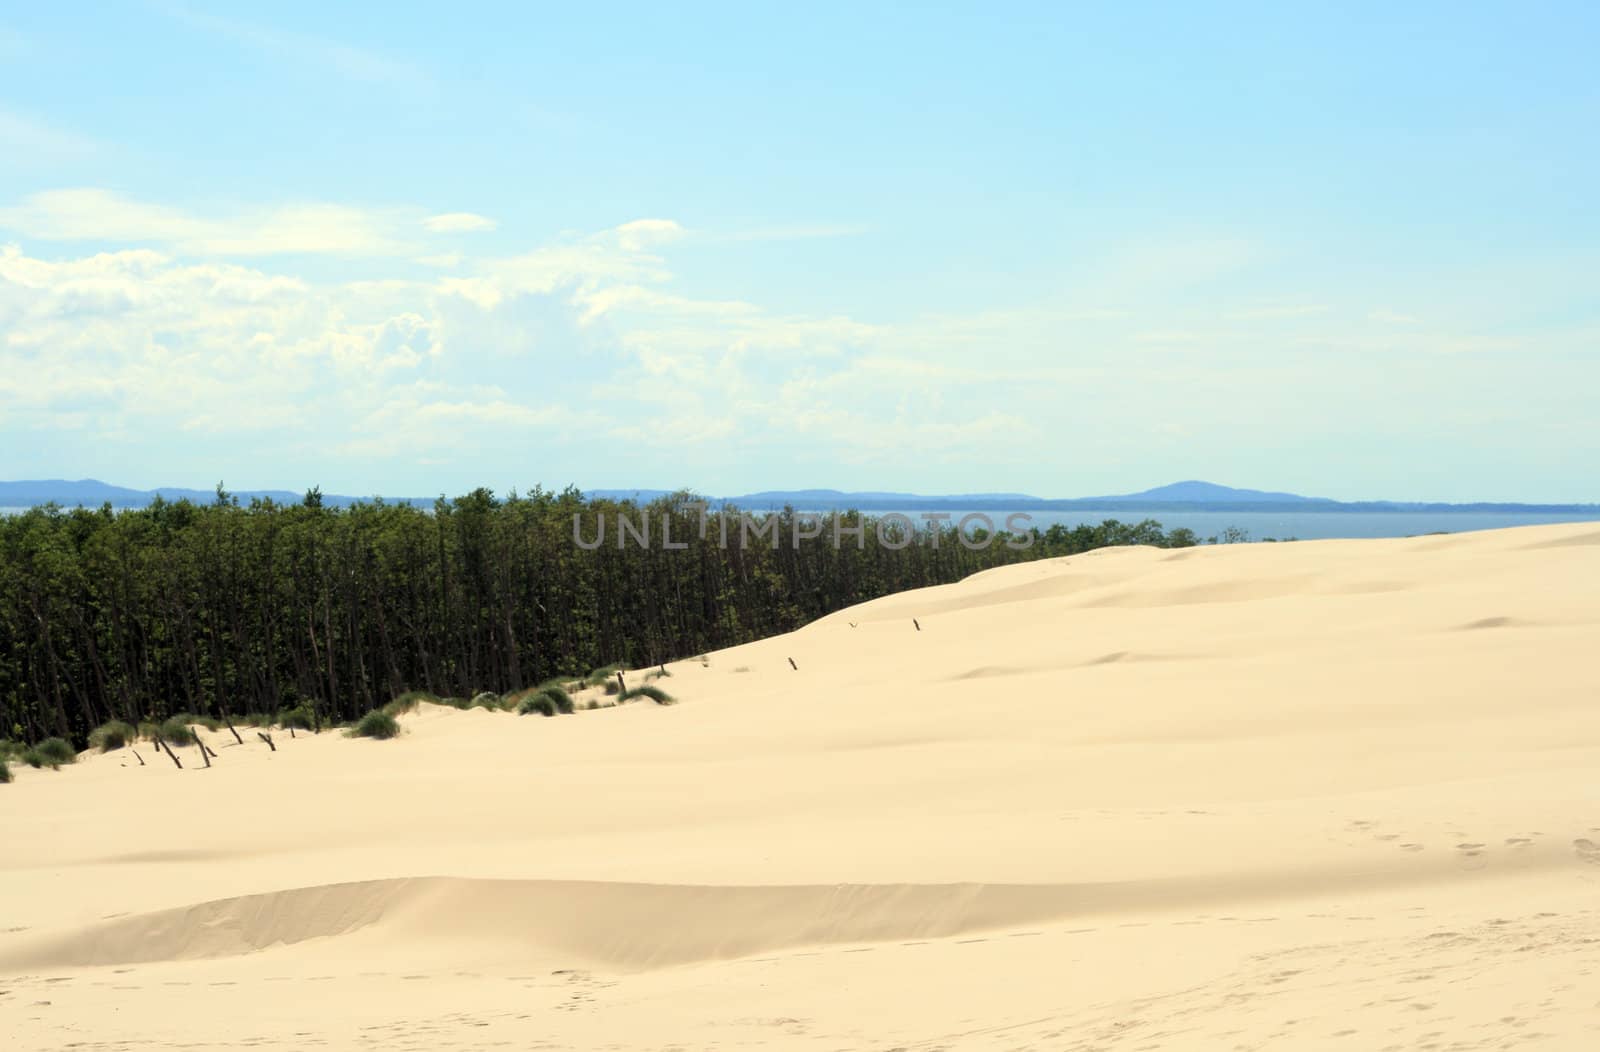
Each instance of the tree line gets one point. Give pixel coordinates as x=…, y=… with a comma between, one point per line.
x=139, y=614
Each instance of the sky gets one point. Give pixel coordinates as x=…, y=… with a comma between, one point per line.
x=1348, y=250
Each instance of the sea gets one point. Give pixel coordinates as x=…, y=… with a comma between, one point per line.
x=1281, y=526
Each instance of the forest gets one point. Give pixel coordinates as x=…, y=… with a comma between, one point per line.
x=223, y=607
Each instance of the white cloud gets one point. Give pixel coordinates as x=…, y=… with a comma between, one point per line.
x=90, y=214
x=458, y=222
x=639, y=234
x=586, y=353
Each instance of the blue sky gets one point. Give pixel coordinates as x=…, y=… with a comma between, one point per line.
x=1056, y=249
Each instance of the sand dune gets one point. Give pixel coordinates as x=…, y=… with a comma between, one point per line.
x=1339, y=794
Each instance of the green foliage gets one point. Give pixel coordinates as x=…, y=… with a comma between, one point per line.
x=567, y=683
x=5, y=771
x=655, y=694
x=540, y=703
x=376, y=724
x=176, y=731
x=547, y=701
x=408, y=701
x=300, y=717
x=562, y=700
x=52, y=753
x=329, y=610
x=486, y=700
x=114, y=734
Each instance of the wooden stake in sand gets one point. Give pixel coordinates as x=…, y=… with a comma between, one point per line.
x=793, y=665
x=205, y=753
x=136, y=755
x=622, y=685
x=264, y=736
x=914, y=621
x=161, y=745
x=230, y=727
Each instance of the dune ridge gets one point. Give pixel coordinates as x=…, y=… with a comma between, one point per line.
x=640, y=926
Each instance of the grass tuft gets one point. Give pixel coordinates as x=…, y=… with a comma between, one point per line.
x=51, y=753
x=602, y=676
x=657, y=673
x=655, y=694
x=376, y=724
x=5, y=772
x=562, y=699
x=299, y=718
x=176, y=731
x=540, y=703
x=210, y=723
x=409, y=701
x=487, y=699
x=113, y=734
x=547, y=700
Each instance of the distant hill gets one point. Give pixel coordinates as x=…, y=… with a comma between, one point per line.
x=1190, y=495
x=1197, y=492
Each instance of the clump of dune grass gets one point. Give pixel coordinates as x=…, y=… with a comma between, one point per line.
x=5, y=772
x=562, y=699
x=51, y=753
x=113, y=734
x=655, y=694
x=657, y=673
x=539, y=703
x=299, y=717
x=175, y=730
x=604, y=676
x=487, y=699
x=375, y=724
x=210, y=723
x=410, y=700
x=10, y=750
x=254, y=719
x=547, y=701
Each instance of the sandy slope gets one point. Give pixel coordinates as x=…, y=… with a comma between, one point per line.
x=1316, y=795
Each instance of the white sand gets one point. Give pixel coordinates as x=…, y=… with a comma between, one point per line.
x=1339, y=794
